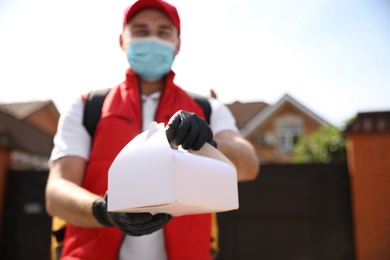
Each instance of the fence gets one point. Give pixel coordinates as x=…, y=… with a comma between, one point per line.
x=290, y=212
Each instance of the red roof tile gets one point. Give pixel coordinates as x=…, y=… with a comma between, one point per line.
x=370, y=122
x=244, y=112
x=21, y=110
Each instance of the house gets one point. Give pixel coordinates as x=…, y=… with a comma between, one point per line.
x=26, y=140
x=274, y=129
x=27, y=130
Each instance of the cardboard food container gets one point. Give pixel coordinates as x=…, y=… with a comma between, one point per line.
x=149, y=176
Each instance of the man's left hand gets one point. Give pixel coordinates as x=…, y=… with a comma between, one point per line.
x=188, y=130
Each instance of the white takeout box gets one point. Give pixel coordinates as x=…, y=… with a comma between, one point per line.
x=149, y=176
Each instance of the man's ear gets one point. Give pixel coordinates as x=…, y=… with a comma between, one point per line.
x=177, y=47
x=121, y=42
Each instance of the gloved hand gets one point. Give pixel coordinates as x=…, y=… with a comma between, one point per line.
x=189, y=130
x=132, y=224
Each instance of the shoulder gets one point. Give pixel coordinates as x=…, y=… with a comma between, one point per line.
x=221, y=117
x=75, y=107
x=215, y=103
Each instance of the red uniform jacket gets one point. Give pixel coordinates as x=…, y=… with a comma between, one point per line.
x=186, y=237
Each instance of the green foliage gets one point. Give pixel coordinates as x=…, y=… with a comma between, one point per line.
x=325, y=145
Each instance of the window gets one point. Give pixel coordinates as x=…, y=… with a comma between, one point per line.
x=288, y=130
x=264, y=139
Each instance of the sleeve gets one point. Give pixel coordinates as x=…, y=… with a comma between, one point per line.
x=71, y=139
x=221, y=117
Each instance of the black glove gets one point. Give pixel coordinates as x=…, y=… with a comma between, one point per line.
x=132, y=224
x=189, y=130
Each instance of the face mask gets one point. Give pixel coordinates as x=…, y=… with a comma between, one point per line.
x=150, y=57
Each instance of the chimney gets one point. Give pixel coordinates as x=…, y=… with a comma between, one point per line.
x=213, y=94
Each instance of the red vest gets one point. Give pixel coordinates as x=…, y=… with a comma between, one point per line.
x=186, y=237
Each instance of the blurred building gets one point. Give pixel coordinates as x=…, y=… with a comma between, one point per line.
x=26, y=140
x=274, y=129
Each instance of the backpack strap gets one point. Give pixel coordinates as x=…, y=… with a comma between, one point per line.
x=94, y=102
x=93, y=109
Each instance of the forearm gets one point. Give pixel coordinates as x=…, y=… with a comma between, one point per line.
x=71, y=203
x=65, y=197
x=242, y=155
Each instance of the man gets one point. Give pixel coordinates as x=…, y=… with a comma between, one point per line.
x=77, y=184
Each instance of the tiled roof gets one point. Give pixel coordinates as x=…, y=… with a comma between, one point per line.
x=23, y=109
x=268, y=111
x=244, y=112
x=17, y=134
x=370, y=122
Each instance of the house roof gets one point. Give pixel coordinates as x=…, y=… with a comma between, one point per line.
x=378, y=121
x=264, y=114
x=244, y=112
x=18, y=133
x=23, y=109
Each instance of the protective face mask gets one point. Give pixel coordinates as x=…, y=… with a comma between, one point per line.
x=150, y=57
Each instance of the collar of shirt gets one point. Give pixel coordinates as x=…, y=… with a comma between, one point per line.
x=149, y=106
x=154, y=96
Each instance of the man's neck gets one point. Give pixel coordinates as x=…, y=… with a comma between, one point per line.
x=148, y=88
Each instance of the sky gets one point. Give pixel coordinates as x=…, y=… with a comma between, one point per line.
x=332, y=56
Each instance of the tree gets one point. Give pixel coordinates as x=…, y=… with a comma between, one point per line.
x=325, y=145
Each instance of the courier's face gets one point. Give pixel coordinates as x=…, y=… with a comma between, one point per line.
x=150, y=22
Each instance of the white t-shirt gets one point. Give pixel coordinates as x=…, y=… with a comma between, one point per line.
x=72, y=139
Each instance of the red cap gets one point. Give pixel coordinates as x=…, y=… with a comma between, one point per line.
x=168, y=9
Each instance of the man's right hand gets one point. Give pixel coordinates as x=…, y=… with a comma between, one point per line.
x=132, y=224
